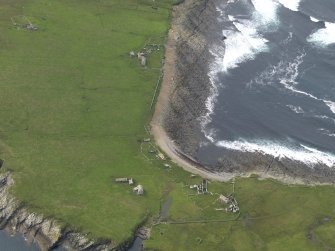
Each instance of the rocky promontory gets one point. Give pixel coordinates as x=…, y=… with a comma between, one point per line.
x=15, y=217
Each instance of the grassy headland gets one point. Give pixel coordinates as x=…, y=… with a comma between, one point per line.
x=73, y=106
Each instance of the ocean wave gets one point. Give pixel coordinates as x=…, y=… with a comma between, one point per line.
x=327, y=132
x=291, y=4
x=324, y=36
x=287, y=72
x=218, y=52
x=242, y=44
x=303, y=154
x=265, y=11
x=296, y=109
x=313, y=19
x=245, y=40
x=325, y=117
x=330, y=104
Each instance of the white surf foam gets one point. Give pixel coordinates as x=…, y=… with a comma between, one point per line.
x=287, y=72
x=246, y=41
x=296, y=109
x=266, y=11
x=326, y=132
x=325, y=117
x=313, y=19
x=330, y=104
x=231, y=18
x=242, y=45
x=291, y=4
x=323, y=37
x=304, y=154
x=218, y=52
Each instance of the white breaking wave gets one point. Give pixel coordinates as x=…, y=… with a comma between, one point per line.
x=266, y=11
x=242, y=45
x=231, y=18
x=296, y=109
x=323, y=37
x=218, y=53
x=330, y=104
x=246, y=41
x=304, y=154
x=313, y=19
x=291, y=4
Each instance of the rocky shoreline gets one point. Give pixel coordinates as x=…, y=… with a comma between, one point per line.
x=15, y=217
x=176, y=128
x=185, y=82
x=182, y=102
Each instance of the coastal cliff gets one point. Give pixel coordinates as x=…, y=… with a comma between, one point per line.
x=15, y=217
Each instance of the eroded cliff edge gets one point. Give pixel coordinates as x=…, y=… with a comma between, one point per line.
x=15, y=217
x=185, y=83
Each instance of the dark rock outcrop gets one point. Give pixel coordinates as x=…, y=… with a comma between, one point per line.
x=15, y=217
x=194, y=31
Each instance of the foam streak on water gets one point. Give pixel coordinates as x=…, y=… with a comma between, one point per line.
x=306, y=155
x=296, y=109
x=287, y=72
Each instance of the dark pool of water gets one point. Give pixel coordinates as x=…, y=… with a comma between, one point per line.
x=18, y=243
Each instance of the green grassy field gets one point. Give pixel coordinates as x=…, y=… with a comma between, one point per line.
x=273, y=217
x=73, y=106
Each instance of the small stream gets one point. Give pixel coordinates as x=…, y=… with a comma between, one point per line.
x=137, y=245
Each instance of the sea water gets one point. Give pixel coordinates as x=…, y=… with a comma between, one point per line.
x=273, y=81
x=18, y=243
